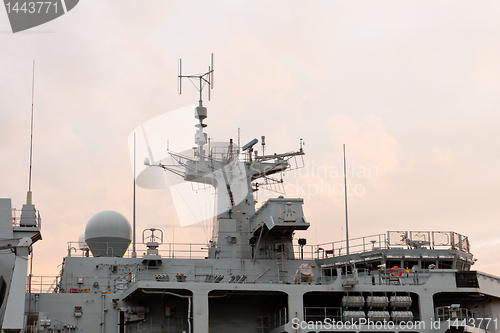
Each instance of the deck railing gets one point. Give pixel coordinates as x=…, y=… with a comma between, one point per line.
x=315, y=314
x=41, y=284
x=127, y=276
x=294, y=252
x=393, y=239
x=356, y=245
x=16, y=218
x=460, y=317
x=379, y=277
x=429, y=239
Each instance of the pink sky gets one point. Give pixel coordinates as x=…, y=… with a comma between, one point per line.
x=410, y=87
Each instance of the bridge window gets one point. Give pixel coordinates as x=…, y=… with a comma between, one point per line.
x=445, y=264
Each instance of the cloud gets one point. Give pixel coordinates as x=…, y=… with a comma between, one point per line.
x=367, y=143
x=486, y=70
x=442, y=155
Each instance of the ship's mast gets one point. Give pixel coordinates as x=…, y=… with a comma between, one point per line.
x=200, y=112
x=232, y=173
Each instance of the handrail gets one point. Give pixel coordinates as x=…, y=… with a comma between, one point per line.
x=430, y=239
x=16, y=218
x=376, y=242
x=125, y=279
x=42, y=284
x=458, y=316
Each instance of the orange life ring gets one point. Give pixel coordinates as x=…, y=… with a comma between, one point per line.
x=398, y=269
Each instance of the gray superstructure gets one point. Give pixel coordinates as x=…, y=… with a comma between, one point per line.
x=253, y=276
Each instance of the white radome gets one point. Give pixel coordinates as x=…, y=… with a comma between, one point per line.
x=108, y=234
x=81, y=241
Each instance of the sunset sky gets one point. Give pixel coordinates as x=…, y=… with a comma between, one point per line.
x=411, y=87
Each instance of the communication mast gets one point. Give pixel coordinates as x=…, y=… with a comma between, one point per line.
x=200, y=81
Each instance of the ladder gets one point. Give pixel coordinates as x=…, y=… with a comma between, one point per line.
x=280, y=259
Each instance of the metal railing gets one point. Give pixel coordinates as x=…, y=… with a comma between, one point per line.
x=126, y=276
x=223, y=153
x=459, y=317
x=16, y=218
x=393, y=239
x=430, y=239
x=356, y=245
x=41, y=284
x=315, y=314
x=278, y=318
x=167, y=250
x=390, y=276
x=295, y=252
x=378, y=277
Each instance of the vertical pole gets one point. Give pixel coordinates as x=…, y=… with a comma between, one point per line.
x=28, y=197
x=102, y=313
x=345, y=199
x=134, y=254
x=29, y=297
x=201, y=91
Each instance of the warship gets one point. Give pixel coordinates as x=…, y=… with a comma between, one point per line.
x=254, y=275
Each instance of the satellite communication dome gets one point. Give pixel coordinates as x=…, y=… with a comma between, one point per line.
x=108, y=234
x=81, y=241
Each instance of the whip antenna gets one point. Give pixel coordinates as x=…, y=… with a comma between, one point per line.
x=180, y=76
x=134, y=254
x=212, y=73
x=346, y=216
x=28, y=197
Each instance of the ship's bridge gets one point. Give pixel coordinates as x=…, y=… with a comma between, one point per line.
x=412, y=250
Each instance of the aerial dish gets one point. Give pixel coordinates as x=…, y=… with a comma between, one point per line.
x=108, y=234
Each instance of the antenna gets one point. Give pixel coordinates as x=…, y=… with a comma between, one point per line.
x=180, y=76
x=211, y=75
x=346, y=218
x=263, y=141
x=250, y=144
x=239, y=133
x=28, y=196
x=211, y=72
x=204, y=78
x=200, y=111
x=134, y=254
x=249, y=147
